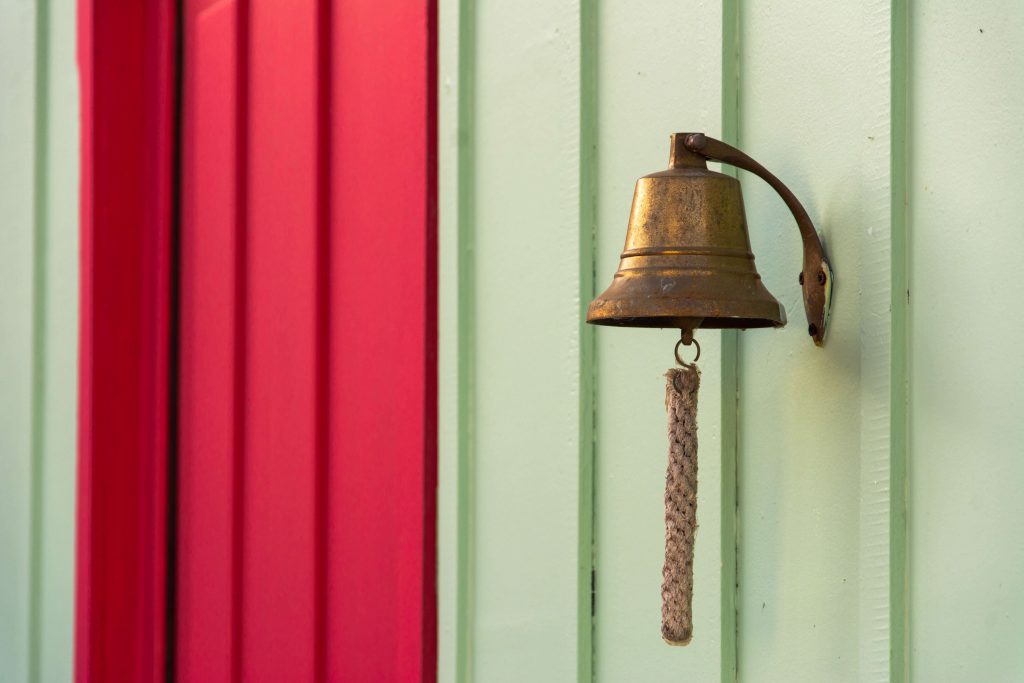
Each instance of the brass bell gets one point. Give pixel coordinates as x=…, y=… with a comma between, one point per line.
x=687, y=261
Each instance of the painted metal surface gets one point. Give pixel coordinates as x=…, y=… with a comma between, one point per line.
x=511, y=346
x=278, y=505
x=380, y=537
x=125, y=57
x=966, y=434
x=813, y=460
x=306, y=489
x=38, y=354
x=17, y=336
x=526, y=187
x=208, y=620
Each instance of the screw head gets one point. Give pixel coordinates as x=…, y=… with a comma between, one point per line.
x=800, y=279
x=812, y=329
x=821, y=277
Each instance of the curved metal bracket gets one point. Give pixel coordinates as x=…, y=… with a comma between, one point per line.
x=816, y=276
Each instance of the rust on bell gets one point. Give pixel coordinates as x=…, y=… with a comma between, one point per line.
x=687, y=261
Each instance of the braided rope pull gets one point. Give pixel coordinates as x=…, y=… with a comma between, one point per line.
x=680, y=505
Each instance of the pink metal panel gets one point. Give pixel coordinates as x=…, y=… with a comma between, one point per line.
x=382, y=443
x=211, y=351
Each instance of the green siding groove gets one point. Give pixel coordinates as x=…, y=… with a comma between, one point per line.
x=899, y=592
x=729, y=360
x=588, y=382
x=466, y=346
x=39, y=276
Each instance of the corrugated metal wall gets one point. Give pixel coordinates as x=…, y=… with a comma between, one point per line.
x=899, y=129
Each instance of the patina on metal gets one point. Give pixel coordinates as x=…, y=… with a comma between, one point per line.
x=687, y=261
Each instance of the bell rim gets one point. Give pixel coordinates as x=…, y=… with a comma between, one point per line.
x=683, y=314
x=683, y=323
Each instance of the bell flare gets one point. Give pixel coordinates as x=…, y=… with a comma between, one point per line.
x=686, y=300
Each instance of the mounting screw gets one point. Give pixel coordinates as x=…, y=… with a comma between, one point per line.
x=821, y=277
x=801, y=278
x=812, y=329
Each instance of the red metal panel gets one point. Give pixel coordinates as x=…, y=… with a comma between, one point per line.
x=126, y=58
x=307, y=472
x=382, y=443
x=279, y=572
x=211, y=350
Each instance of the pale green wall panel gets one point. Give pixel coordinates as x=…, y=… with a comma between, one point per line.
x=59, y=326
x=813, y=456
x=526, y=239
x=526, y=137
x=17, y=151
x=514, y=307
x=38, y=337
x=449, y=423
x=966, y=394
x=659, y=72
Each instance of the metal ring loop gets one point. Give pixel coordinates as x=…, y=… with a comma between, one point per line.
x=695, y=358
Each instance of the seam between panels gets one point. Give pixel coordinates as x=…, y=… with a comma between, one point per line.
x=730, y=379
x=40, y=239
x=585, y=580
x=466, y=341
x=899, y=592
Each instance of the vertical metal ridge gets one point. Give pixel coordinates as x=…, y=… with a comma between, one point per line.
x=324, y=150
x=730, y=374
x=899, y=592
x=39, y=290
x=466, y=344
x=173, y=343
x=240, y=336
x=431, y=384
x=585, y=585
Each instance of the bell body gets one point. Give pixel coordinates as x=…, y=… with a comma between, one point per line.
x=687, y=261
